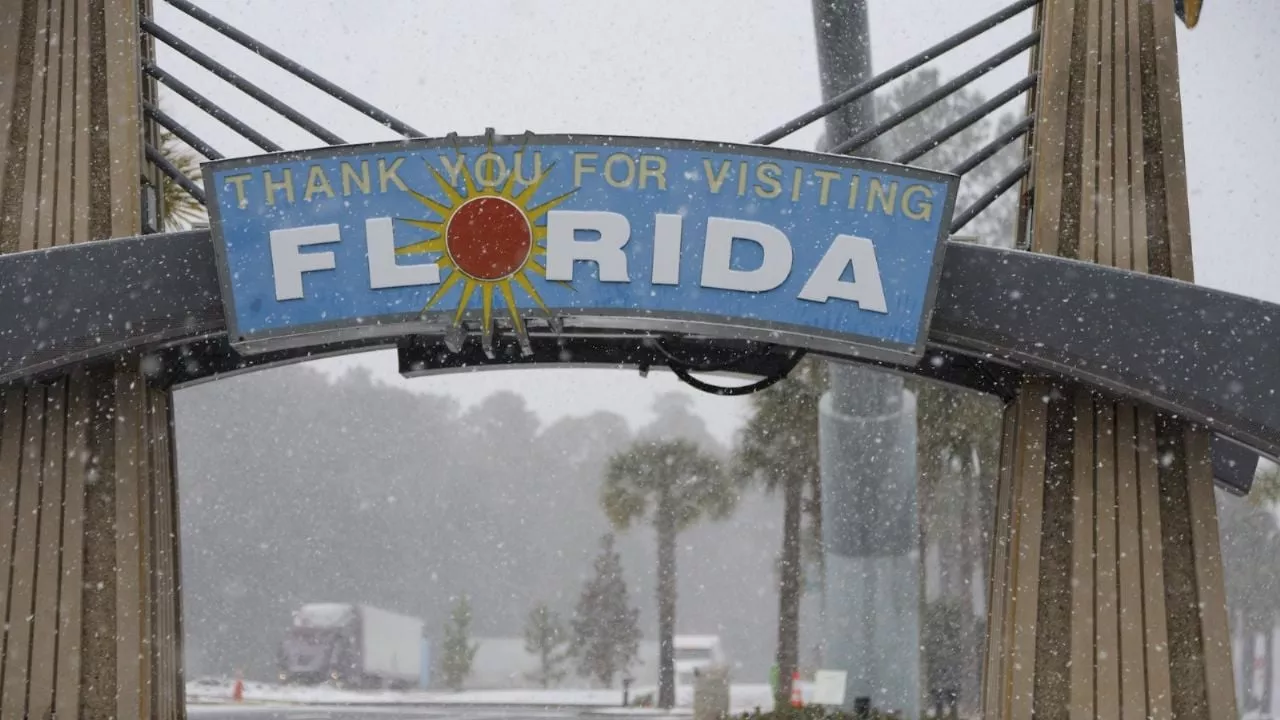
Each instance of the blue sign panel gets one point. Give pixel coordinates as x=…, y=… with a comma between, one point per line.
x=530, y=233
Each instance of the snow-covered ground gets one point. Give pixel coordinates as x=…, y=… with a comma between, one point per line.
x=741, y=697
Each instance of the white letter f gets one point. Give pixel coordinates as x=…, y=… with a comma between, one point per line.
x=287, y=264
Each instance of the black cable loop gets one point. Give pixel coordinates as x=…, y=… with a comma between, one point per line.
x=768, y=381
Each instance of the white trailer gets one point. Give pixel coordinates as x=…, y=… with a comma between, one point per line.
x=390, y=645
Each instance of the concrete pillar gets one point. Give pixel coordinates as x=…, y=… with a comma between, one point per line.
x=88, y=520
x=1107, y=594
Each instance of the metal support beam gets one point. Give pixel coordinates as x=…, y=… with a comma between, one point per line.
x=837, y=99
x=240, y=83
x=297, y=69
x=855, y=144
x=214, y=110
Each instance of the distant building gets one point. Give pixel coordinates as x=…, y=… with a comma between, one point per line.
x=694, y=652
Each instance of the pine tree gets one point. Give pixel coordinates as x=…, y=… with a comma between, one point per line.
x=606, y=629
x=545, y=636
x=458, y=653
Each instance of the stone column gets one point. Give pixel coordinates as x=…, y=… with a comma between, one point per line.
x=88, y=519
x=1107, y=593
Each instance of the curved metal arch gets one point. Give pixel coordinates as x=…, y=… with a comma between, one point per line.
x=1207, y=355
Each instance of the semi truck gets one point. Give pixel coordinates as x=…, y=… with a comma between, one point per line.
x=352, y=645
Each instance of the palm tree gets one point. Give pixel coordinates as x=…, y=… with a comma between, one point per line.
x=778, y=449
x=179, y=211
x=673, y=484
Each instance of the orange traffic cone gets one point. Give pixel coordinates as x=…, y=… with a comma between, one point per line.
x=237, y=690
x=797, y=697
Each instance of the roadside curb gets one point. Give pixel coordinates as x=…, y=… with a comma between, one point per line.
x=587, y=712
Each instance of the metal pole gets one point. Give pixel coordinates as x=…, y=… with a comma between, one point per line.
x=867, y=440
x=844, y=60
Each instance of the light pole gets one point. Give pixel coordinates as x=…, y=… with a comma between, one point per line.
x=867, y=441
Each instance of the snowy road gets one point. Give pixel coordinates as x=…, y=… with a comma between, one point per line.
x=211, y=699
x=315, y=712
x=249, y=712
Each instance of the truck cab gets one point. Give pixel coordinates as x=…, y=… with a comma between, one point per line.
x=319, y=644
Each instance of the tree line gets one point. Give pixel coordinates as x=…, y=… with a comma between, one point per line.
x=300, y=488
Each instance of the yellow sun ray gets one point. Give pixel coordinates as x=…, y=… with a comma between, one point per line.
x=424, y=246
x=527, y=193
x=455, y=198
x=467, y=290
x=445, y=287
x=535, y=213
x=486, y=297
x=435, y=207
x=432, y=225
x=510, y=299
x=529, y=289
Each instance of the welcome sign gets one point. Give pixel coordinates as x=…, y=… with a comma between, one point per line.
x=807, y=249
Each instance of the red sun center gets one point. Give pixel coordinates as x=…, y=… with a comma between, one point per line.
x=489, y=238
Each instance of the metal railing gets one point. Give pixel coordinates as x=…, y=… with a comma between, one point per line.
x=979, y=193
x=1014, y=166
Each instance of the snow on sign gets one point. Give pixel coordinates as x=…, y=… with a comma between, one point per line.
x=438, y=236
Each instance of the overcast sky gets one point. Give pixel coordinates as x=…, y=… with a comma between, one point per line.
x=710, y=69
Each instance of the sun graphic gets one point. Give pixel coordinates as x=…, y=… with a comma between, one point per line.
x=489, y=239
